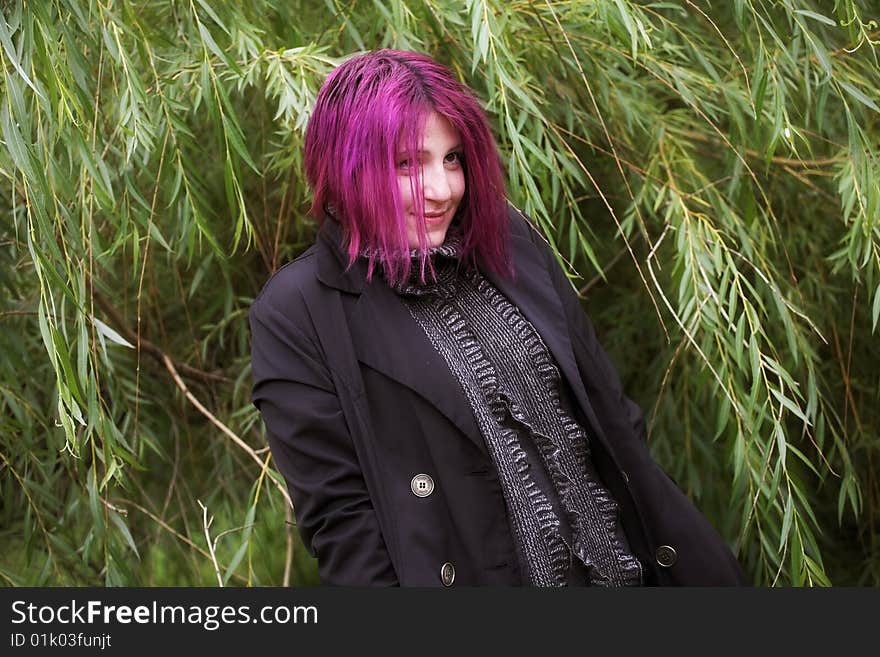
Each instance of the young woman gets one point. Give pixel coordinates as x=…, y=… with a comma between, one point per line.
x=434, y=394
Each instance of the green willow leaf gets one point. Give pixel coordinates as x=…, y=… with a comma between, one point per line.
x=859, y=96
x=816, y=16
x=875, y=309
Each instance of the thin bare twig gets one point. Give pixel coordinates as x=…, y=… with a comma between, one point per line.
x=13, y=313
x=206, y=524
x=288, y=558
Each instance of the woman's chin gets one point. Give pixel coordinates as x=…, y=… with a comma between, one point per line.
x=435, y=236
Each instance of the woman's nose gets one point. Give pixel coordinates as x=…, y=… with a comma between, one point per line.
x=435, y=185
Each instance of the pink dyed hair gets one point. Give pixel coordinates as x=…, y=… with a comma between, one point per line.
x=365, y=107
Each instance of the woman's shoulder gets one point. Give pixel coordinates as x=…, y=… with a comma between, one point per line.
x=283, y=292
x=521, y=225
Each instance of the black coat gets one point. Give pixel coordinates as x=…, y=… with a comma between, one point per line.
x=357, y=402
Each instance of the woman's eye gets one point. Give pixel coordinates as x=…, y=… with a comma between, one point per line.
x=403, y=164
x=453, y=158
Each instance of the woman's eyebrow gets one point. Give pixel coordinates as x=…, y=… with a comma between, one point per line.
x=420, y=151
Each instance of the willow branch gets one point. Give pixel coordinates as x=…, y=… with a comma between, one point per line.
x=217, y=423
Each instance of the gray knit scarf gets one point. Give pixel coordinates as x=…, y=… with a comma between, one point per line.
x=557, y=507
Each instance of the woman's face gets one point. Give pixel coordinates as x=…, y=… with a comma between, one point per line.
x=442, y=180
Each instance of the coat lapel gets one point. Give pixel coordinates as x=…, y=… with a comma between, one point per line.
x=388, y=339
x=532, y=291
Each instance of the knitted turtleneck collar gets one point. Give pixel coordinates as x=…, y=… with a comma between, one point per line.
x=445, y=260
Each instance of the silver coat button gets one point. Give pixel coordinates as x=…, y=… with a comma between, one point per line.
x=421, y=485
x=447, y=574
x=666, y=556
x=625, y=476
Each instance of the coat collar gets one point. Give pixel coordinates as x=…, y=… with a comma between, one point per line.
x=388, y=339
x=333, y=261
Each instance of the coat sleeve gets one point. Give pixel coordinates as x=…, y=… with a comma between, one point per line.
x=313, y=450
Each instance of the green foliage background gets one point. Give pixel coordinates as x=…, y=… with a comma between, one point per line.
x=708, y=172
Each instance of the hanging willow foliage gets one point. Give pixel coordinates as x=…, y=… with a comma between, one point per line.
x=710, y=170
